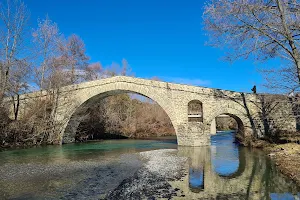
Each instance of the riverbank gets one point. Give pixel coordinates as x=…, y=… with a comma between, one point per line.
x=286, y=157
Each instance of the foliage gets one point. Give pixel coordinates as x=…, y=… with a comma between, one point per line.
x=263, y=29
x=226, y=123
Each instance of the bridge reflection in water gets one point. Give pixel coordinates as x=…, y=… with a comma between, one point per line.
x=225, y=171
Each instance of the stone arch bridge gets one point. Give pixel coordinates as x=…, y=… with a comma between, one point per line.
x=247, y=109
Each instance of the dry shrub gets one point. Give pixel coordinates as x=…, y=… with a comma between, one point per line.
x=35, y=126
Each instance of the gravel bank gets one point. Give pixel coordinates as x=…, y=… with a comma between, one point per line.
x=151, y=181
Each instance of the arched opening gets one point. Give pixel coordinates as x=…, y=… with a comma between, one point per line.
x=226, y=122
x=195, y=111
x=228, y=159
x=118, y=114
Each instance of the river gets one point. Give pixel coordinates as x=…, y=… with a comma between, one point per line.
x=142, y=169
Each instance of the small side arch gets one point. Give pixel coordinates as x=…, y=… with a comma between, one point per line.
x=239, y=122
x=236, y=114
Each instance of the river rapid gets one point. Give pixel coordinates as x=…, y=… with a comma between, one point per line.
x=142, y=169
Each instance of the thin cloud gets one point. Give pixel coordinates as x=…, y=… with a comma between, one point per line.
x=187, y=81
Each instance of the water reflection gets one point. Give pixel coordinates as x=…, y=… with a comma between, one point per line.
x=196, y=178
x=225, y=160
x=228, y=159
x=225, y=171
x=286, y=196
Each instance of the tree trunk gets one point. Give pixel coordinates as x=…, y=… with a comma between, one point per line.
x=16, y=106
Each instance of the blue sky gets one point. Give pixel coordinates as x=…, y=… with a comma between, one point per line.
x=157, y=38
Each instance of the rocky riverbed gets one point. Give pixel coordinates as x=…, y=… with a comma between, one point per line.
x=141, y=175
x=152, y=180
x=142, y=170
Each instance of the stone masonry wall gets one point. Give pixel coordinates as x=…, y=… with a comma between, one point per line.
x=174, y=99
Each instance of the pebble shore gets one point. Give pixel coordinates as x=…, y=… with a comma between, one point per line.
x=151, y=181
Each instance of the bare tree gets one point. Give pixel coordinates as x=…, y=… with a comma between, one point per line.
x=75, y=59
x=262, y=29
x=93, y=71
x=116, y=69
x=19, y=83
x=46, y=39
x=125, y=67
x=14, y=16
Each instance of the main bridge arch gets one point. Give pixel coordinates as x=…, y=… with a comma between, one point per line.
x=84, y=98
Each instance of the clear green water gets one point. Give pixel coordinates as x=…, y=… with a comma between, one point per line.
x=91, y=170
x=82, y=151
